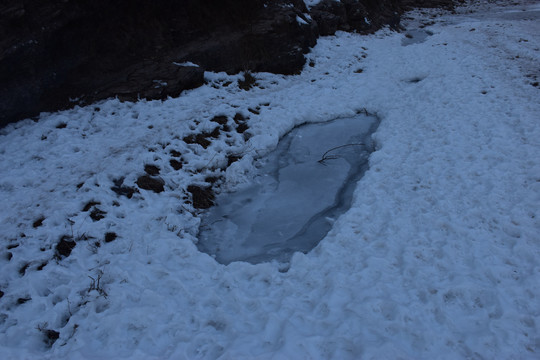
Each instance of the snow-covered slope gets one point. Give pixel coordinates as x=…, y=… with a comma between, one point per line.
x=437, y=258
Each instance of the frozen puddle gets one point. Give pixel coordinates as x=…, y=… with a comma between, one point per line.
x=298, y=192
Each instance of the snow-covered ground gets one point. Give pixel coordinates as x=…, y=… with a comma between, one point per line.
x=437, y=258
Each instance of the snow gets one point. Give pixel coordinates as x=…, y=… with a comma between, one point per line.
x=186, y=63
x=311, y=3
x=300, y=20
x=437, y=257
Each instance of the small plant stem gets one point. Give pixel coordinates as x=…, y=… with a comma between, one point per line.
x=324, y=157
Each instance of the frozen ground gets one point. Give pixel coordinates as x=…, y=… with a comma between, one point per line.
x=299, y=189
x=437, y=258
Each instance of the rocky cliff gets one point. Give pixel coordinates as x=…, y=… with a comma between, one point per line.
x=59, y=53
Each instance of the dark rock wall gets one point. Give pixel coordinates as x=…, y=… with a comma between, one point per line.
x=362, y=16
x=55, y=54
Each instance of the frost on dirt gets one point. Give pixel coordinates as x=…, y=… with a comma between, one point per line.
x=300, y=188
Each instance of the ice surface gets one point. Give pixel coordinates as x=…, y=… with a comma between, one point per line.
x=293, y=199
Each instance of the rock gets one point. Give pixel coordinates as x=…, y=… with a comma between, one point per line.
x=175, y=164
x=110, y=236
x=200, y=139
x=366, y=16
x=22, y=270
x=220, y=119
x=37, y=223
x=120, y=189
x=90, y=205
x=65, y=246
x=330, y=17
x=355, y=15
x=175, y=153
x=247, y=82
x=97, y=214
x=232, y=158
x=241, y=128
x=23, y=300
x=50, y=336
x=269, y=39
x=58, y=54
x=203, y=198
x=150, y=169
x=151, y=183
x=444, y=4
x=54, y=55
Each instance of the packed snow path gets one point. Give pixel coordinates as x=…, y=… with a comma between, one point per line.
x=437, y=257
